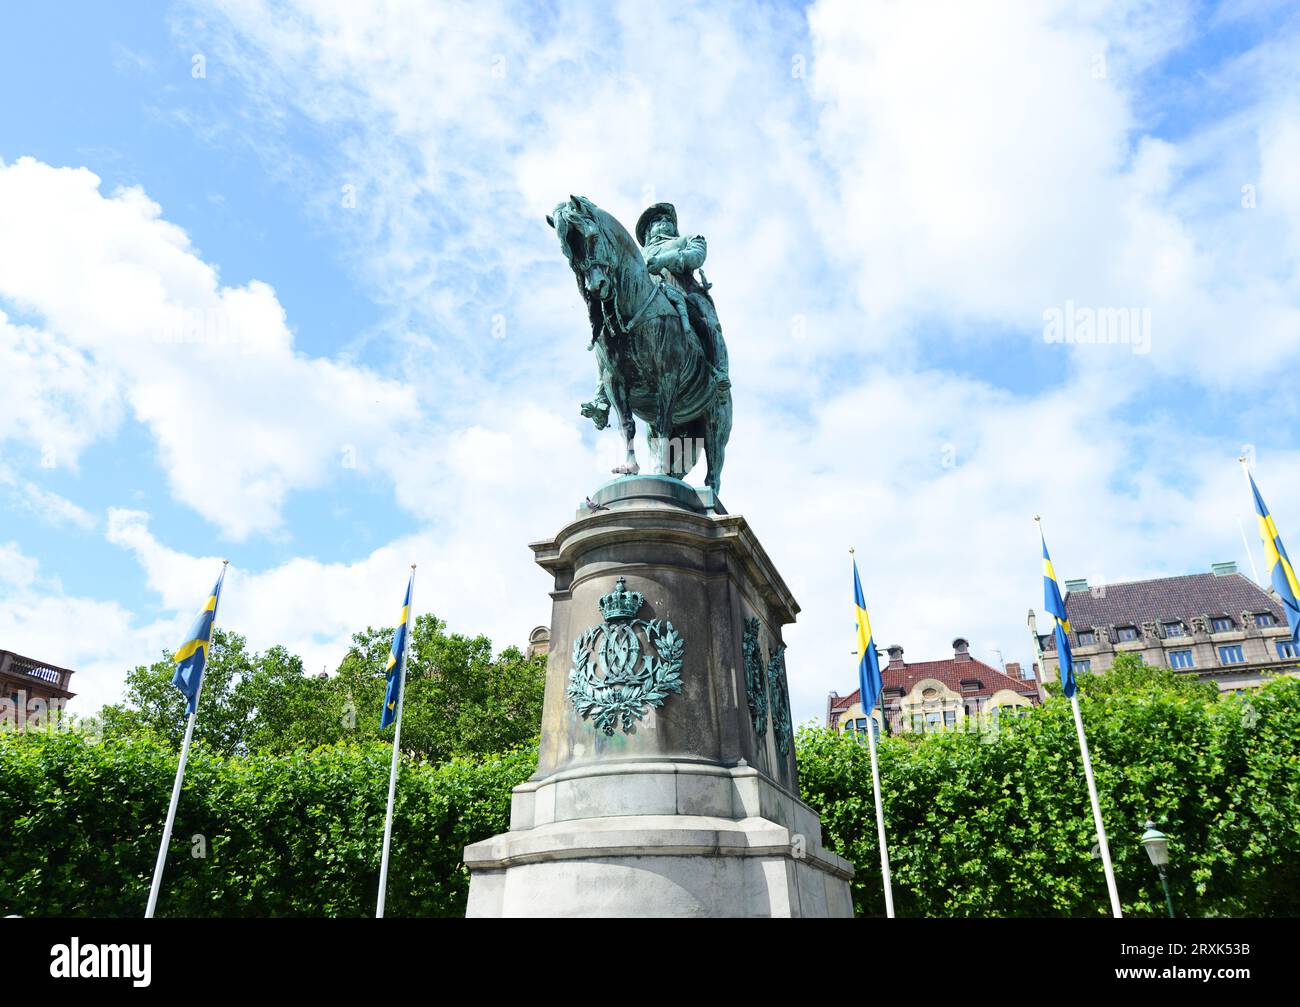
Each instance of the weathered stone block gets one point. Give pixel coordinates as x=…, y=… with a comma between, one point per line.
x=666, y=782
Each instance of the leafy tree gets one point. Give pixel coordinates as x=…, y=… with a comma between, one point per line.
x=460, y=700
x=152, y=705
x=1129, y=674
x=1000, y=824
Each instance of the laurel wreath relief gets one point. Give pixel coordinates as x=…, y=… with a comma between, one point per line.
x=632, y=681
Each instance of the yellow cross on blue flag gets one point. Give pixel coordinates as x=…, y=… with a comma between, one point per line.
x=397, y=661
x=1053, y=603
x=869, y=680
x=1280, y=571
x=192, y=657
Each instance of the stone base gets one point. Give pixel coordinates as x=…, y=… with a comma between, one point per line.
x=688, y=804
x=693, y=840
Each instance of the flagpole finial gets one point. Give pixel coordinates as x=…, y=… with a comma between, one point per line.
x=412, y=566
x=851, y=550
x=225, y=562
x=1038, y=519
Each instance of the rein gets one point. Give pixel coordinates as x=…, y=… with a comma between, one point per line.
x=620, y=326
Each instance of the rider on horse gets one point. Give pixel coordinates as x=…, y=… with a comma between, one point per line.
x=673, y=259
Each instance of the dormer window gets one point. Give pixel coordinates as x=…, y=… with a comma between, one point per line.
x=1175, y=628
x=971, y=685
x=1222, y=624
x=1264, y=619
x=1087, y=638
x=1126, y=633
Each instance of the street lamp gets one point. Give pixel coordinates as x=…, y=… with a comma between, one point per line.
x=1156, y=844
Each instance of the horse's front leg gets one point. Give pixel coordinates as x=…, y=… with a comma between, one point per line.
x=666, y=445
x=627, y=423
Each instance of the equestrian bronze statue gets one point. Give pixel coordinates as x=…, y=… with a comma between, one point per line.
x=659, y=347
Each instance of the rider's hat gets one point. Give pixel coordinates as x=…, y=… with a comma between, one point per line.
x=651, y=214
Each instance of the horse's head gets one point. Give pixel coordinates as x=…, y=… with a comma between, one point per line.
x=577, y=225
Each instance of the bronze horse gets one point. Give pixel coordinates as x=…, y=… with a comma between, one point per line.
x=651, y=362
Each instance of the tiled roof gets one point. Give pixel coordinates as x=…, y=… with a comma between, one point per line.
x=949, y=672
x=1167, y=599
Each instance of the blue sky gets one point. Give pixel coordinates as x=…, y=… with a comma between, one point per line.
x=346, y=205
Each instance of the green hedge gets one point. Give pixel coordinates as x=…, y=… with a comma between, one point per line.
x=977, y=827
x=1003, y=827
x=296, y=835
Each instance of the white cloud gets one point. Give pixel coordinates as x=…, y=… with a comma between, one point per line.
x=98, y=639
x=239, y=417
x=45, y=504
x=941, y=176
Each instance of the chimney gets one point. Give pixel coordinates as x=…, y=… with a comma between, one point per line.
x=895, y=655
x=960, y=649
x=1223, y=569
x=1013, y=669
x=1077, y=586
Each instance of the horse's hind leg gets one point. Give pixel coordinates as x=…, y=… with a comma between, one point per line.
x=665, y=403
x=685, y=448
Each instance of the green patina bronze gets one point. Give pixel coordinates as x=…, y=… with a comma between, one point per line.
x=632, y=682
x=755, y=686
x=659, y=348
x=779, y=692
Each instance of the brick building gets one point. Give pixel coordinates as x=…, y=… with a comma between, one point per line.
x=933, y=695
x=31, y=691
x=1220, y=626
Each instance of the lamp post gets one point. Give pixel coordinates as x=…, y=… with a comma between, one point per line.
x=1156, y=844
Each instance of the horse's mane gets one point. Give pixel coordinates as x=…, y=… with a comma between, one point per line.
x=614, y=232
x=594, y=315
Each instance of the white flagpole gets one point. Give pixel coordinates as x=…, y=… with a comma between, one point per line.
x=180, y=768
x=1102, y=845
x=880, y=815
x=1096, y=810
x=397, y=743
x=1245, y=470
x=875, y=787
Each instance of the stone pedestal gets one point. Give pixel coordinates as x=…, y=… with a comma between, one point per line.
x=666, y=783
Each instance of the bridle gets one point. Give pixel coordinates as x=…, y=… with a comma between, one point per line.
x=610, y=309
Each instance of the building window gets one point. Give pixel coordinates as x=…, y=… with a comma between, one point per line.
x=949, y=718
x=1181, y=659
x=1127, y=633
x=1263, y=619
x=1285, y=649
x=1175, y=629
x=1082, y=666
x=1087, y=638
x=1231, y=655
x=1222, y=624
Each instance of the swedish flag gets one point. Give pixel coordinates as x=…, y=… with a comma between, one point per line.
x=1056, y=606
x=397, y=661
x=869, y=680
x=1280, y=571
x=192, y=657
